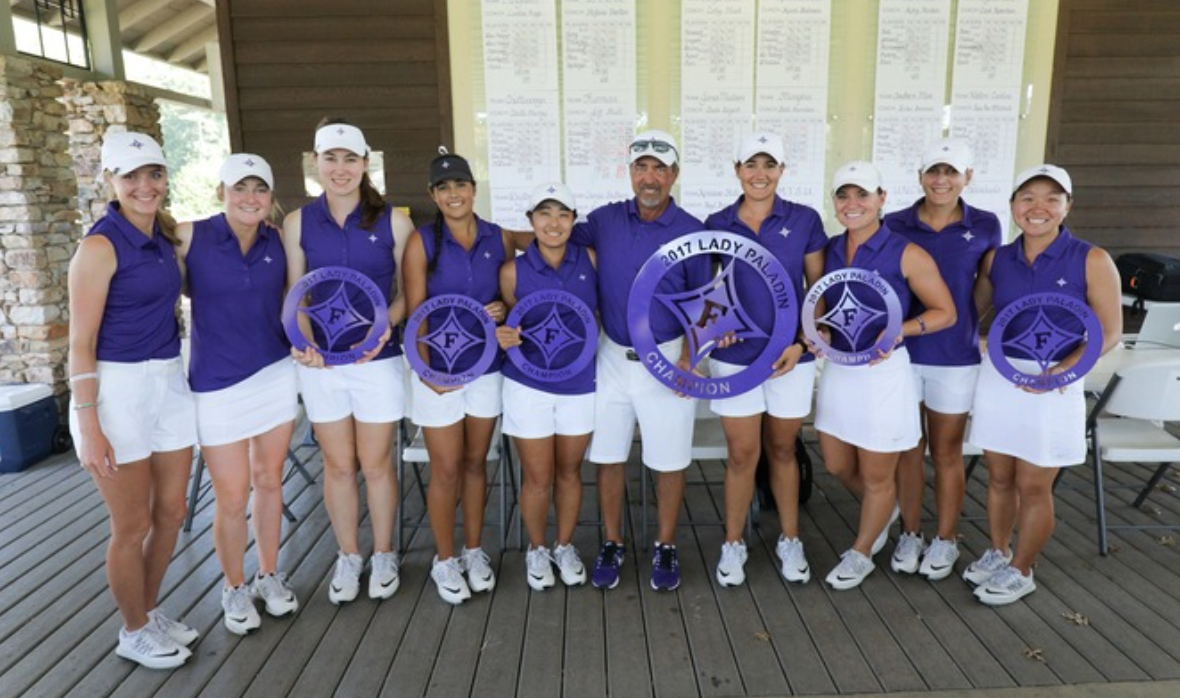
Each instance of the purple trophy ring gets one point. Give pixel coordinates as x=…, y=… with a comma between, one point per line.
x=1042, y=340
x=337, y=315
x=850, y=316
x=552, y=336
x=450, y=339
x=711, y=312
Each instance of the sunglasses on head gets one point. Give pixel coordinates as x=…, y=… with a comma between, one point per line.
x=653, y=145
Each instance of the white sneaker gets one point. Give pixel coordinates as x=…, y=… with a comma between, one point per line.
x=1006, y=586
x=851, y=571
x=383, y=577
x=448, y=577
x=478, y=567
x=794, y=567
x=908, y=553
x=731, y=570
x=151, y=648
x=982, y=569
x=569, y=564
x=180, y=633
x=238, y=604
x=539, y=568
x=346, y=578
x=274, y=592
x=939, y=561
x=883, y=536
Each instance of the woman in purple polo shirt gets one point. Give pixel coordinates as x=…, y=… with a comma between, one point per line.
x=550, y=422
x=775, y=410
x=459, y=253
x=867, y=415
x=1028, y=435
x=235, y=272
x=353, y=407
x=946, y=364
x=131, y=413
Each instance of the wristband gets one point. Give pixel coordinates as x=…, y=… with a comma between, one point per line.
x=84, y=406
x=78, y=378
x=921, y=325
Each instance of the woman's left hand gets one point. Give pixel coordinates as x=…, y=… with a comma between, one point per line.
x=372, y=353
x=497, y=311
x=883, y=355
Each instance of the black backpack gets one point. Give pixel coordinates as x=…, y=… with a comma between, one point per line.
x=1149, y=277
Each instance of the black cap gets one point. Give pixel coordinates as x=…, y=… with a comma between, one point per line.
x=449, y=166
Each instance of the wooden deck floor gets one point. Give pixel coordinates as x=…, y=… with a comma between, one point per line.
x=1093, y=620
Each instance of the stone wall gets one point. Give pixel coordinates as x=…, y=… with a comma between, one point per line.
x=37, y=223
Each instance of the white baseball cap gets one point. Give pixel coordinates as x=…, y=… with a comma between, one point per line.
x=239, y=166
x=344, y=136
x=126, y=151
x=1052, y=172
x=948, y=151
x=657, y=144
x=761, y=142
x=863, y=174
x=552, y=191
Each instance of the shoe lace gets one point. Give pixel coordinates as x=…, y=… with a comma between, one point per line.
x=564, y=555
x=239, y=599
x=730, y=554
x=538, y=558
x=149, y=641
x=609, y=554
x=475, y=558
x=385, y=563
x=666, y=558
x=449, y=571
x=992, y=559
x=346, y=568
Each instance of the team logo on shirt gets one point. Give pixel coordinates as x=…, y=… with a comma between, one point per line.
x=1037, y=328
x=853, y=317
x=560, y=335
x=449, y=339
x=712, y=312
x=339, y=313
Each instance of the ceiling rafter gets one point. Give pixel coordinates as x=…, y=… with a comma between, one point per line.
x=193, y=46
x=168, y=30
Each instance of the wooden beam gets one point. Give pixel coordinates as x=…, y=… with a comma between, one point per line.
x=135, y=13
x=193, y=46
x=168, y=30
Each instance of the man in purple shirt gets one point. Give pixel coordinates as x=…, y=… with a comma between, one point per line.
x=625, y=234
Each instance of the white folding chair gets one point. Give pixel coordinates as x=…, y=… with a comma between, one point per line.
x=1136, y=403
x=413, y=451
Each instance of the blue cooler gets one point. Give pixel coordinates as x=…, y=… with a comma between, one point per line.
x=28, y=419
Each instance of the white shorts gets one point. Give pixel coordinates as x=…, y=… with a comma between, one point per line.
x=535, y=414
x=479, y=398
x=373, y=392
x=785, y=397
x=946, y=389
x=1046, y=429
x=143, y=408
x=870, y=407
x=250, y=407
x=627, y=392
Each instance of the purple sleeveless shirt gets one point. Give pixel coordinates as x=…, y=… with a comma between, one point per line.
x=880, y=253
x=576, y=275
x=957, y=250
x=791, y=232
x=326, y=244
x=139, y=320
x=474, y=273
x=237, y=300
x=1061, y=268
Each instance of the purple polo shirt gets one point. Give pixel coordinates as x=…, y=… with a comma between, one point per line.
x=139, y=319
x=791, y=232
x=326, y=244
x=575, y=274
x=880, y=253
x=474, y=273
x=957, y=249
x=1061, y=268
x=624, y=242
x=237, y=301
